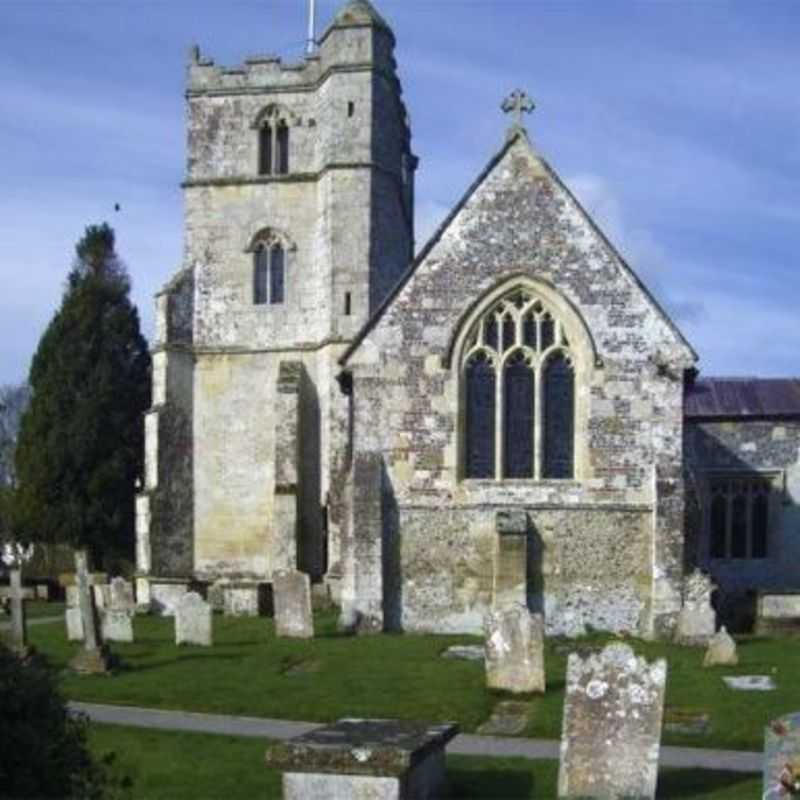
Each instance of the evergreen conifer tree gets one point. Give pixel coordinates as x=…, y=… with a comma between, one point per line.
x=80, y=447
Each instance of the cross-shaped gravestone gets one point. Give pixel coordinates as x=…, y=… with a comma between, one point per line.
x=518, y=103
x=18, y=630
x=94, y=656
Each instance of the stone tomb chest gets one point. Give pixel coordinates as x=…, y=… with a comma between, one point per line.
x=353, y=759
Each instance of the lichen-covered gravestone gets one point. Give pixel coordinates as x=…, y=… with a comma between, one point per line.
x=611, y=734
x=697, y=621
x=193, y=620
x=515, y=650
x=782, y=758
x=721, y=650
x=292, y=598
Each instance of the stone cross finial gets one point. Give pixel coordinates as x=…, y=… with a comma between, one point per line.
x=518, y=103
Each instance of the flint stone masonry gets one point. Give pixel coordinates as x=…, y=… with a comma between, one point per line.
x=515, y=650
x=697, y=621
x=781, y=775
x=292, y=598
x=241, y=599
x=359, y=759
x=193, y=621
x=721, y=650
x=610, y=739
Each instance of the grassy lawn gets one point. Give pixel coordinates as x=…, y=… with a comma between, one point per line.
x=38, y=608
x=250, y=672
x=174, y=766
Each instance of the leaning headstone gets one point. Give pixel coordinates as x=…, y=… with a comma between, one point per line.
x=697, y=621
x=93, y=656
x=611, y=735
x=19, y=633
x=193, y=620
x=782, y=758
x=514, y=650
x=291, y=592
x=721, y=650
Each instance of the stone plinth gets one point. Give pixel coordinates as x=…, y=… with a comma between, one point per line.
x=292, y=598
x=515, y=650
x=778, y=612
x=193, y=620
x=354, y=759
x=165, y=594
x=611, y=735
x=241, y=599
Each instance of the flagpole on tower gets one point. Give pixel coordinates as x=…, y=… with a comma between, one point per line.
x=312, y=25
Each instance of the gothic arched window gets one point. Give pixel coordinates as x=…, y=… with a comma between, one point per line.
x=273, y=142
x=519, y=393
x=269, y=273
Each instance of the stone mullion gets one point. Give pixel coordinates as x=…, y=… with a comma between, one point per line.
x=538, y=410
x=498, y=418
x=729, y=495
x=749, y=521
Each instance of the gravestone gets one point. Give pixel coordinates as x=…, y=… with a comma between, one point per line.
x=19, y=632
x=514, y=650
x=697, y=620
x=357, y=759
x=241, y=600
x=93, y=657
x=613, y=708
x=121, y=594
x=292, y=598
x=102, y=595
x=117, y=614
x=781, y=776
x=721, y=650
x=42, y=591
x=74, y=624
x=193, y=620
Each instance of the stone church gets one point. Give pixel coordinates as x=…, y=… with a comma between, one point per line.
x=506, y=413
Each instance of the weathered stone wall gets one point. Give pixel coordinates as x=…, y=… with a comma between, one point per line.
x=521, y=226
x=741, y=446
x=212, y=451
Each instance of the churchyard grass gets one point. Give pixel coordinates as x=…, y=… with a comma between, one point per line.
x=35, y=609
x=176, y=766
x=250, y=672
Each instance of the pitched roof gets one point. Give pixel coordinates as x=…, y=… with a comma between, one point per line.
x=737, y=398
x=515, y=134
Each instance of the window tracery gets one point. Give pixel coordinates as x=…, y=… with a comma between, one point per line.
x=519, y=392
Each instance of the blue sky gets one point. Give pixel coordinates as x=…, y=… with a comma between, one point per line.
x=676, y=123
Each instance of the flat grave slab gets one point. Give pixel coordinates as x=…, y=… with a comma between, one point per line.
x=750, y=683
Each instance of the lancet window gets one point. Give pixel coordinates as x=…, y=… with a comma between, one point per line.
x=273, y=144
x=518, y=374
x=269, y=273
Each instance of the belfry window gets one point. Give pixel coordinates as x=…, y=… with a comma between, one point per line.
x=519, y=393
x=273, y=146
x=269, y=274
x=737, y=515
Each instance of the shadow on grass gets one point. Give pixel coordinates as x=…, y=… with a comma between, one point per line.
x=508, y=784
x=677, y=783
x=124, y=666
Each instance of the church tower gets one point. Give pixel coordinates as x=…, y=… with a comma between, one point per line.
x=299, y=197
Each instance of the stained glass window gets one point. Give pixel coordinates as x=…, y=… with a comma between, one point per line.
x=559, y=418
x=480, y=421
x=504, y=363
x=518, y=396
